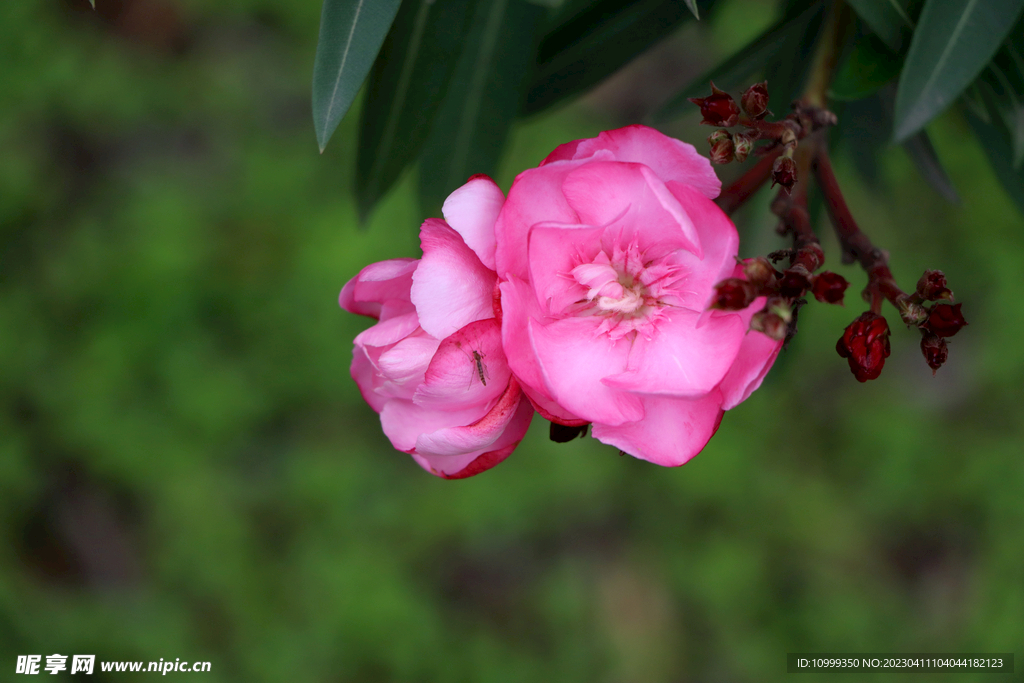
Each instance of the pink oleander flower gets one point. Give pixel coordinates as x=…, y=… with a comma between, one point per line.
x=433, y=365
x=608, y=254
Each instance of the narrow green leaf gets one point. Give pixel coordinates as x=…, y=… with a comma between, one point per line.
x=888, y=19
x=953, y=42
x=596, y=44
x=737, y=71
x=483, y=98
x=692, y=6
x=351, y=33
x=868, y=67
x=405, y=89
x=93, y=3
x=787, y=69
x=920, y=150
x=995, y=145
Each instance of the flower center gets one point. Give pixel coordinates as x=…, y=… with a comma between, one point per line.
x=626, y=290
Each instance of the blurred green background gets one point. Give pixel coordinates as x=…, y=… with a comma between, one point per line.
x=187, y=470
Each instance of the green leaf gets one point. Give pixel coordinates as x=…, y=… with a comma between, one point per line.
x=351, y=33
x=995, y=145
x=483, y=98
x=787, y=69
x=93, y=3
x=737, y=71
x=953, y=42
x=596, y=43
x=920, y=150
x=692, y=6
x=890, y=20
x=405, y=90
x=868, y=67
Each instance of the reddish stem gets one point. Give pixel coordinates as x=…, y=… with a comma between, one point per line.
x=856, y=245
x=736, y=194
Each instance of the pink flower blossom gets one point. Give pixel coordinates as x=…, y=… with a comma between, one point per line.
x=433, y=364
x=607, y=256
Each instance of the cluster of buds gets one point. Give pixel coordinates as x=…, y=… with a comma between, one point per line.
x=865, y=343
x=784, y=291
x=720, y=110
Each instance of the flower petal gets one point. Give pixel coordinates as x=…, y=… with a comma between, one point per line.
x=519, y=306
x=682, y=359
x=468, y=368
x=670, y=159
x=469, y=464
x=377, y=283
x=451, y=287
x=403, y=421
x=673, y=430
x=554, y=250
x=631, y=196
x=574, y=358
x=717, y=235
x=472, y=211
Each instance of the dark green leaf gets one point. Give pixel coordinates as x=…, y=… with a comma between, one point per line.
x=787, y=69
x=920, y=150
x=888, y=19
x=1003, y=101
x=996, y=147
x=351, y=33
x=868, y=67
x=482, y=101
x=692, y=6
x=953, y=42
x=405, y=89
x=737, y=71
x=595, y=44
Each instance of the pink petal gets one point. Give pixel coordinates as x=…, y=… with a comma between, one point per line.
x=574, y=359
x=670, y=159
x=554, y=250
x=388, y=331
x=451, y=287
x=755, y=358
x=519, y=307
x=403, y=421
x=563, y=152
x=377, y=283
x=715, y=232
x=535, y=197
x=477, y=437
x=673, y=429
x=469, y=464
x=680, y=359
x=365, y=375
x=472, y=211
x=606, y=192
x=468, y=368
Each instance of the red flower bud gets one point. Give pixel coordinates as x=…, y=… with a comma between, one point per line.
x=733, y=294
x=719, y=109
x=784, y=173
x=865, y=345
x=829, y=287
x=944, y=320
x=794, y=282
x=935, y=350
x=744, y=145
x=771, y=324
x=932, y=286
x=755, y=100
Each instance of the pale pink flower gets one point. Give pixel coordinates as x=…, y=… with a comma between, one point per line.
x=608, y=254
x=433, y=365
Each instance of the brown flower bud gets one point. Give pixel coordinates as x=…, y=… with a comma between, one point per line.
x=829, y=287
x=770, y=324
x=743, y=144
x=733, y=294
x=755, y=100
x=784, y=173
x=944, y=320
x=719, y=109
x=865, y=345
x=759, y=271
x=722, y=150
x=935, y=350
x=932, y=286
